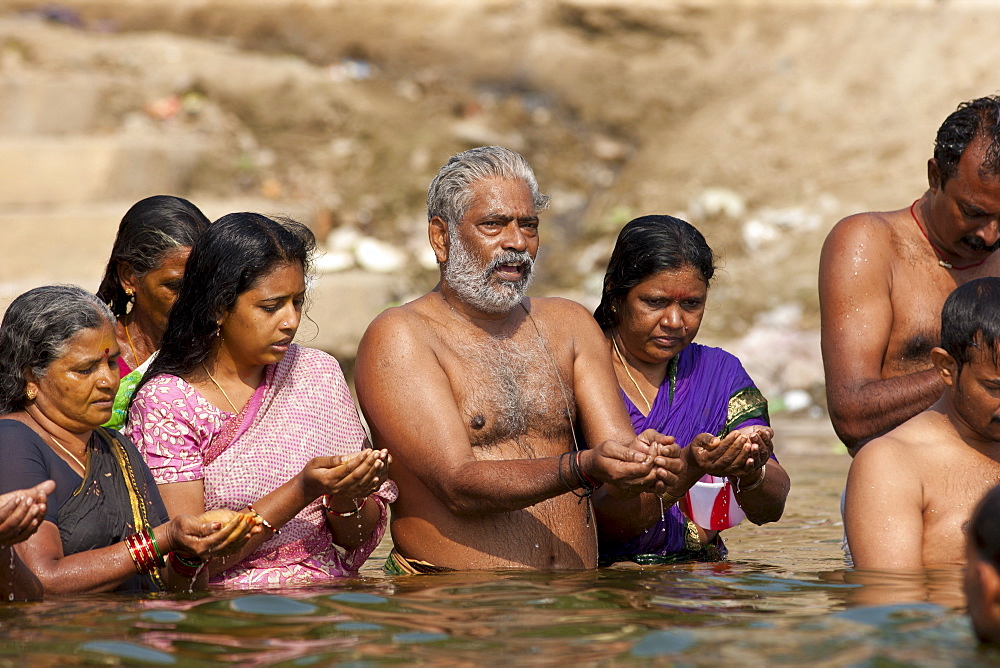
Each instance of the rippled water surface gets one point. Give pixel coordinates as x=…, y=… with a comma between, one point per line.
x=783, y=598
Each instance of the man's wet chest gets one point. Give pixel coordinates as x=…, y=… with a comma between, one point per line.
x=511, y=389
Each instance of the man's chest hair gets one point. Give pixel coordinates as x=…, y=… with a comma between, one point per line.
x=510, y=388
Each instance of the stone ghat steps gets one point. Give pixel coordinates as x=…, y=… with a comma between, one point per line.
x=42, y=245
x=71, y=169
x=34, y=101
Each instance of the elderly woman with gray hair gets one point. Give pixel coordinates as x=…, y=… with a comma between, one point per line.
x=105, y=527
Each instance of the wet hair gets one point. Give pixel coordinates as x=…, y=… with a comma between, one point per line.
x=149, y=230
x=984, y=529
x=448, y=194
x=233, y=254
x=645, y=247
x=972, y=119
x=34, y=333
x=971, y=319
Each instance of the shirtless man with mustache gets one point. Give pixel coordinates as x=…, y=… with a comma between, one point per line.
x=884, y=277
x=481, y=394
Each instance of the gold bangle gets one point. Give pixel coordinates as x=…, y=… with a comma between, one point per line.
x=670, y=498
x=267, y=525
x=758, y=483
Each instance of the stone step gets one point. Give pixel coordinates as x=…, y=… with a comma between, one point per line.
x=47, y=169
x=47, y=104
x=71, y=244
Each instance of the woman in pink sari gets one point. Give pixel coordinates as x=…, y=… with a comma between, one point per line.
x=232, y=414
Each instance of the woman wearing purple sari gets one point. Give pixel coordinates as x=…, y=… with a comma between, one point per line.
x=232, y=414
x=653, y=301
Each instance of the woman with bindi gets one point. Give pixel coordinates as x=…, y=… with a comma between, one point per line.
x=653, y=302
x=104, y=526
x=141, y=281
x=233, y=414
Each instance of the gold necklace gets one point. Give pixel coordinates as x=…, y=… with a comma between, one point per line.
x=66, y=450
x=212, y=378
x=621, y=359
x=135, y=357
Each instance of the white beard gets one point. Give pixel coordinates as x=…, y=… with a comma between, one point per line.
x=475, y=283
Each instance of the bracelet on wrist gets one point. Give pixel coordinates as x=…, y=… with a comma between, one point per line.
x=350, y=513
x=144, y=552
x=184, y=564
x=267, y=525
x=586, y=479
x=670, y=499
x=161, y=559
x=574, y=469
x=757, y=483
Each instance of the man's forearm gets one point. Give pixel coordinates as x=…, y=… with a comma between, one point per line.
x=862, y=413
x=486, y=487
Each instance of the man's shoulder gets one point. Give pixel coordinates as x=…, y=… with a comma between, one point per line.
x=400, y=320
x=906, y=443
x=867, y=228
x=556, y=308
x=861, y=246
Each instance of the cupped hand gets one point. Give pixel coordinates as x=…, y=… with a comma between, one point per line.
x=22, y=512
x=761, y=436
x=347, y=478
x=214, y=533
x=729, y=456
x=639, y=466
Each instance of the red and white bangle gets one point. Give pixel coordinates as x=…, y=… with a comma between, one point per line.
x=350, y=513
x=267, y=525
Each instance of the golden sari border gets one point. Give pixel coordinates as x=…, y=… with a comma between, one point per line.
x=744, y=405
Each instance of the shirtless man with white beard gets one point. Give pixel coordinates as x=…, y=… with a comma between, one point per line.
x=477, y=392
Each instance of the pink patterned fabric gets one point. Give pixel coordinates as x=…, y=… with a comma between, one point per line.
x=303, y=409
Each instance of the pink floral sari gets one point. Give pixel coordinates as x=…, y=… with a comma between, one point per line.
x=302, y=409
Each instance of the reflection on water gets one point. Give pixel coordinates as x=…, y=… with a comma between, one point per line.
x=785, y=597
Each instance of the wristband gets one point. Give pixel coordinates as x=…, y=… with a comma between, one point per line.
x=160, y=559
x=350, y=513
x=267, y=525
x=758, y=483
x=587, y=480
x=185, y=565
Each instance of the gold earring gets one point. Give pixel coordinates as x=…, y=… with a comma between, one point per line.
x=129, y=293
x=31, y=394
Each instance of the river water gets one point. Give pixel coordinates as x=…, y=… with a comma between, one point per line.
x=786, y=596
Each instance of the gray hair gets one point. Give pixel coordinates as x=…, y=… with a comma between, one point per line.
x=34, y=333
x=448, y=195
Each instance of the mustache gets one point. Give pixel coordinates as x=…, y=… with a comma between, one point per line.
x=978, y=245
x=521, y=258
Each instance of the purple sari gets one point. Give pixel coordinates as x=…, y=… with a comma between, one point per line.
x=705, y=390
